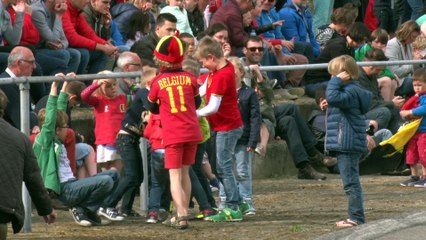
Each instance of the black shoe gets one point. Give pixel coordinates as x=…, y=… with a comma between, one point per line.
x=308, y=172
x=80, y=217
x=95, y=219
x=131, y=214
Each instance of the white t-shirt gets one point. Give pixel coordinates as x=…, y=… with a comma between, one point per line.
x=65, y=172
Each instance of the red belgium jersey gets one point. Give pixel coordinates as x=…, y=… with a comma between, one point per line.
x=176, y=91
x=222, y=83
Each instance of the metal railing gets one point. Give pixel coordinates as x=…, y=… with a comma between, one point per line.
x=25, y=99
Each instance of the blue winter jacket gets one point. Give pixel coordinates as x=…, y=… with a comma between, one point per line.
x=298, y=23
x=421, y=112
x=269, y=17
x=346, y=121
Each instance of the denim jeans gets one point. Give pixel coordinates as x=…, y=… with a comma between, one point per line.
x=52, y=61
x=243, y=160
x=322, y=13
x=415, y=8
x=201, y=149
x=159, y=180
x=382, y=115
x=75, y=61
x=311, y=88
x=406, y=89
x=226, y=142
x=91, y=61
x=198, y=192
x=348, y=164
x=91, y=192
x=128, y=147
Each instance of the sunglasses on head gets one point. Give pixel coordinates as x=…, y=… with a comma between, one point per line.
x=253, y=49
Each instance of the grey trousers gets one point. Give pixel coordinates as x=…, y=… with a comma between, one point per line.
x=3, y=231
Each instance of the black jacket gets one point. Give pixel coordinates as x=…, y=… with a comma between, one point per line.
x=145, y=49
x=18, y=163
x=248, y=104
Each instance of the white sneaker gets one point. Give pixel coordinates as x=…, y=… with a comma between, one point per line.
x=110, y=213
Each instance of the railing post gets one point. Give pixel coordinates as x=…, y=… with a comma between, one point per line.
x=144, y=186
x=25, y=128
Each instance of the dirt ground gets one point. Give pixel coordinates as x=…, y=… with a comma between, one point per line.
x=286, y=209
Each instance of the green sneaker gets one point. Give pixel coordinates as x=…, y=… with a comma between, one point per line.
x=227, y=215
x=244, y=207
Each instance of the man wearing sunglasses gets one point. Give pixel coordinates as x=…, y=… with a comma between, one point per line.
x=286, y=118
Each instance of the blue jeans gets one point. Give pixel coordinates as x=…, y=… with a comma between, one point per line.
x=348, y=164
x=91, y=192
x=128, y=147
x=311, y=88
x=159, y=180
x=226, y=142
x=91, y=61
x=322, y=13
x=382, y=115
x=75, y=61
x=415, y=8
x=201, y=149
x=243, y=160
x=406, y=89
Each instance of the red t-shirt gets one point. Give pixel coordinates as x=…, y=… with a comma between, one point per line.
x=222, y=83
x=176, y=91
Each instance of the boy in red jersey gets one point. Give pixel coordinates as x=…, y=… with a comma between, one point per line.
x=224, y=117
x=176, y=93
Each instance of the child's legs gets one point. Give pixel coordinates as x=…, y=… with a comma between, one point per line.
x=387, y=87
x=421, y=148
x=264, y=134
x=179, y=157
x=197, y=167
x=412, y=155
x=159, y=179
x=242, y=162
x=207, y=170
x=348, y=164
x=69, y=144
x=86, y=165
x=225, y=153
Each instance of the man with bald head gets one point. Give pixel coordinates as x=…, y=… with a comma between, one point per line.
x=21, y=63
x=128, y=62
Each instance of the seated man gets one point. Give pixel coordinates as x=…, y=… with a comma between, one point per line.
x=84, y=196
x=80, y=35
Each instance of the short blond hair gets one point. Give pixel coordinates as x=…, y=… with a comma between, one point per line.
x=99, y=91
x=344, y=63
x=147, y=75
x=420, y=42
x=237, y=64
x=208, y=46
x=192, y=66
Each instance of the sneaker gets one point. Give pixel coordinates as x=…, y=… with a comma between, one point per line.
x=226, y=215
x=207, y=213
x=260, y=150
x=247, y=209
x=420, y=183
x=317, y=162
x=131, y=214
x=410, y=182
x=95, y=219
x=163, y=215
x=274, y=83
x=330, y=161
x=286, y=95
x=297, y=91
x=222, y=203
x=110, y=213
x=80, y=217
x=152, y=217
x=309, y=173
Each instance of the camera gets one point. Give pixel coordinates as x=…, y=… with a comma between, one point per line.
x=370, y=130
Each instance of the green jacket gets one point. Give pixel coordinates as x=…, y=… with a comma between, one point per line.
x=360, y=55
x=47, y=147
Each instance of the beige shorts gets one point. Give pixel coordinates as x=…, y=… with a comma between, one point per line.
x=106, y=153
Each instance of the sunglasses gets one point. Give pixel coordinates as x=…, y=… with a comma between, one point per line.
x=253, y=49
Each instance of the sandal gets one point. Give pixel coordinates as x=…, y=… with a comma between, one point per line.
x=177, y=222
x=346, y=223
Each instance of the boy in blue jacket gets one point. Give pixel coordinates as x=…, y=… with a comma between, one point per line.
x=346, y=136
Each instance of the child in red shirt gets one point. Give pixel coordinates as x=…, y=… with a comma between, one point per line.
x=109, y=111
x=175, y=92
x=224, y=117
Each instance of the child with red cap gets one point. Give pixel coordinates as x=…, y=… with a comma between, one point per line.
x=174, y=94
